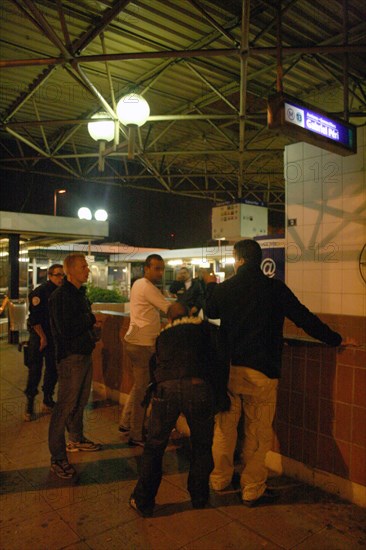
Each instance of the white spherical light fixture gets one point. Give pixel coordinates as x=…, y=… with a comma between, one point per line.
x=84, y=213
x=101, y=215
x=102, y=129
x=133, y=109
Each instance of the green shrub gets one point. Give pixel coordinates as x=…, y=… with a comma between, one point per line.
x=97, y=294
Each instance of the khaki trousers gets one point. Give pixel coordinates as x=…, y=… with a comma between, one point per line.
x=255, y=395
x=133, y=413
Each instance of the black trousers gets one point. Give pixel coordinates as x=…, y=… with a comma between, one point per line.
x=35, y=361
x=195, y=400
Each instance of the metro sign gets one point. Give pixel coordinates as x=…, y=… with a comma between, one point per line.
x=312, y=125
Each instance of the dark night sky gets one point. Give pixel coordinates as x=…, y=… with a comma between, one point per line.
x=135, y=217
x=138, y=218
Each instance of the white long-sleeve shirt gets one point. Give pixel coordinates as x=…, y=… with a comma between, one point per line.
x=145, y=303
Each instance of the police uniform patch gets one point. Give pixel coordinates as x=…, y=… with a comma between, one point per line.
x=35, y=301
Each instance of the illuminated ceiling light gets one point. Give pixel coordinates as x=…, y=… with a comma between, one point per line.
x=84, y=213
x=197, y=261
x=132, y=111
x=101, y=215
x=101, y=131
x=174, y=263
x=228, y=261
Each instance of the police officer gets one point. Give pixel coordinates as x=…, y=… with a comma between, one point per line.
x=41, y=344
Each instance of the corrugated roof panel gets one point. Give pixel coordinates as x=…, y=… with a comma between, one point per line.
x=176, y=85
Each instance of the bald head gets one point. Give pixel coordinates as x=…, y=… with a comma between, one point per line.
x=176, y=311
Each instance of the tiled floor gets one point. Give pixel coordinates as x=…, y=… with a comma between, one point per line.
x=39, y=511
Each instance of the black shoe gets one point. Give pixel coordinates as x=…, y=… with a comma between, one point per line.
x=144, y=513
x=136, y=443
x=29, y=411
x=268, y=497
x=123, y=429
x=48, y=404
x=63, y=469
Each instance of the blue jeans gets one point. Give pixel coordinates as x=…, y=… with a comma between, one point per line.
x=195, y=400
x=74, y=383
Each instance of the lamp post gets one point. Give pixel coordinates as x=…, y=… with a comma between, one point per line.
x=101, y=131
x=55, y=193
x=132, y=111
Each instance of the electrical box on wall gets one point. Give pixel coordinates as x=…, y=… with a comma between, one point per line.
x=237, y=221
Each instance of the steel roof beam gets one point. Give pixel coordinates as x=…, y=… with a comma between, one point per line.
x=243, y=88
x=214, y=23
x=48, y=31
x=251, y=52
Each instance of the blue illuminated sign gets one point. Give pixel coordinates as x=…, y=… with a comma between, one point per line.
x=319, y=124
x=307, y=123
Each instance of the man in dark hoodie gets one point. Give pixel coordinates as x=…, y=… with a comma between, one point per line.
x=182, y=376
x=252, y=308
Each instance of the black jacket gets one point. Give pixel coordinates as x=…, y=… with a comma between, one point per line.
x=71, y=321
x=38, y=308
x=182, y=350
x=193, y=297
x=252, y=308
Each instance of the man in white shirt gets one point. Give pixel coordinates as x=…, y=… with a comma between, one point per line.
x=145, y=305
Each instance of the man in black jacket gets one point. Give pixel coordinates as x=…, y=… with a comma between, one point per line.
x=252, y=309
x=182, y=373
x=73, y=329
x=188, y=291
x=40, y=345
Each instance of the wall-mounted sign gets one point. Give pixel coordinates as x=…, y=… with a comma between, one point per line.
x=312, y=125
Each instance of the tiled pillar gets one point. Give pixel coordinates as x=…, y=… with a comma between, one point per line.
x=321, y=416
x=326, y=199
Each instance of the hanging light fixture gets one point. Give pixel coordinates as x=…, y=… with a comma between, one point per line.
x=132, y=111
x=101, y=131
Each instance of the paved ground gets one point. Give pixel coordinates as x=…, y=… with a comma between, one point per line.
x=39, y=511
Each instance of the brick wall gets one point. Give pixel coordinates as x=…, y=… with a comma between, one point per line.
x=321, y=416
x=321, y=413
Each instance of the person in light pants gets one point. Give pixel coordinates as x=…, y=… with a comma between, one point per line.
x=252, y=308
x=253, y=394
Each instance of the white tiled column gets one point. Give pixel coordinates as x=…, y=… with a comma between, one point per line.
x=326, y=195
